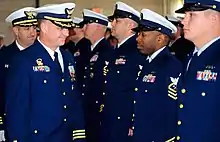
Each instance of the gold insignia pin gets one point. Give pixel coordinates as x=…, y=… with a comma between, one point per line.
x=29, y=14
x=39, y=62
x=69, y=12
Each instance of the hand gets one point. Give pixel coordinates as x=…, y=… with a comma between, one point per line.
x=130, y=132
x=2, y=135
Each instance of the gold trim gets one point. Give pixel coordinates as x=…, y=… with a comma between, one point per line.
x=78, y=131
x=25, y=21
x=173, y=97
x=57, y=19
x=28, y=24
x=171, y=140
x=79, y=137
x=68, y=25
x=78, y=134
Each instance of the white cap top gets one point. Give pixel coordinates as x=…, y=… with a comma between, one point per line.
x=124, y=7
x=94, y=17
x=152, y=19
x=22, y=16
x=77, y=20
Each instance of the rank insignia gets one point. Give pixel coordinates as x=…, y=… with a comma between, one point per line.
x=172, y=88
x=140, y=67
x=40, y=66
x=101, y=107
x=206, y=75
x=105, y=68
x=149, y=78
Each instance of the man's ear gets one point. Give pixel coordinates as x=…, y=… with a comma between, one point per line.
x=43, y=27
x=15, y=30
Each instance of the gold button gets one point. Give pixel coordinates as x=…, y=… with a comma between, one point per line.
x=62, y=80
x=64, y=119
x=35, y=131
x=105, y=81
x=179, y=122
x=85, y=68
x=119, y=118
x=45, y=81
x=84, y=76
x=82, y=94
x=64, y=93
x=118, y=71
x=145, y=91
x=133, y=127
x=103, y=93
x=203, y=94
x=133, y=115
x=183, y=91
x=97, y=102
x=4, y=114
x=214, y=6
x=65, y=106
x=136, y=89
x=134, y=102
x=84, y=85
x=178, y=137
x=181, y=105
x=15, y=141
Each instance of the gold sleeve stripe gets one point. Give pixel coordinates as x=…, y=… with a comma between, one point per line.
x=172, y=93
x=175, y=98
x=79, y=137
x=78, y=134
x=78, y=131
x=171, y=89
x=171, y=140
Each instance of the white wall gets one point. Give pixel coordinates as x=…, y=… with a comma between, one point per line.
x=7, y=6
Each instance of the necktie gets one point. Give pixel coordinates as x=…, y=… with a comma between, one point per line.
x=57, y=61
x=193, y=61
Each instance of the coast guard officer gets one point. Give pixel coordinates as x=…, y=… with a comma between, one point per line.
x=155, y=98
x=23, y=22
x=41, y=100
x=179, y=46
x=198, y=94
x=81, y=49
x=120, y=71
x=96, y=25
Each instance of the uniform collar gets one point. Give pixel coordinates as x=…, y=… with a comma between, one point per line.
x=154, y=55
x=96, y=43
x=200, y=50
x=50, y=51
x=19, y=46
x=119, y=44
